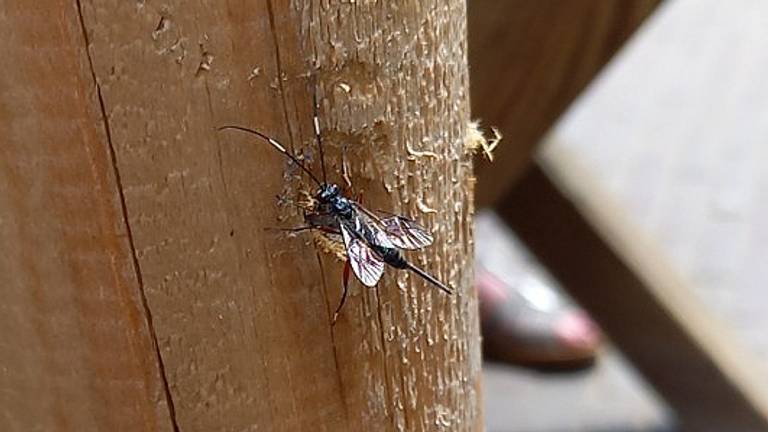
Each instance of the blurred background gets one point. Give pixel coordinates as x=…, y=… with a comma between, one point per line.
x=651, y=119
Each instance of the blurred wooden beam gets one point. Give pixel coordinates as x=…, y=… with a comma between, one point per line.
x=529, y=60
x=527, y=67
x=647, y=309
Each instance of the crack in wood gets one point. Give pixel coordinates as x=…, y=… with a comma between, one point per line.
x=124, y=211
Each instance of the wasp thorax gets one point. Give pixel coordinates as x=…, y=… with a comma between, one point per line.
x=342, y=206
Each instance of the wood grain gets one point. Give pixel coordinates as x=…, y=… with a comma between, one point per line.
x=241, y=314
x=76, y=348
x=530, y=59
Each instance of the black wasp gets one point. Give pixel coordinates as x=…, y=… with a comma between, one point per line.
x=370, y=240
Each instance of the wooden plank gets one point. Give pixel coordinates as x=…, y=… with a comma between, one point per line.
x=693, y=177
x=242, y=314
x=648, y=310
x=76, y=349
x=529, y=60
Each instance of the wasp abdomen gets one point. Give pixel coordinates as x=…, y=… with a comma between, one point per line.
x=392, y=257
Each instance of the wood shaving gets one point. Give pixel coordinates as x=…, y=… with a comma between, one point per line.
x=423, y=207
x=329, y=246
x=417, y=154
x=475, y=140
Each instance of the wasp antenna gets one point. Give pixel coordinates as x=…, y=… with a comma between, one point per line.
x=316, y=124
x=277, y=146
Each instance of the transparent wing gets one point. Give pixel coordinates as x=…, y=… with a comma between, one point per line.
x=366, y=265
x=323, y=221
x=405, y=233
x=371, y=228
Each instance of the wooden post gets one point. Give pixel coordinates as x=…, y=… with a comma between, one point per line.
x=141, y=290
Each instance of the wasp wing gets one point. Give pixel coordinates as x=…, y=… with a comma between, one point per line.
x=323, y=221
x=405, y=233
x=366, y=265
x=369, y=226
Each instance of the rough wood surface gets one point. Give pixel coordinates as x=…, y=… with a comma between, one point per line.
x=529, y=60
x=241, y=314
x=76, y=348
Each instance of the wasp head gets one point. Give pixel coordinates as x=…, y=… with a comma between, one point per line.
x=328, y=193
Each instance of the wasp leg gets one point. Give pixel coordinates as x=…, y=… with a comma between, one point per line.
x=388, y=213
x=345, y=281
x=290, y=230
